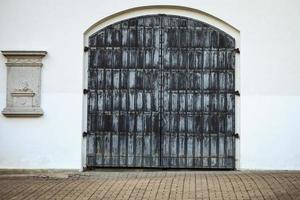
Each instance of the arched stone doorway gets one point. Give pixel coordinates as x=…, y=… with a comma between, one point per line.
x=161, y=94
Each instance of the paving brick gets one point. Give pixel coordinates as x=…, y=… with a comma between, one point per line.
x=160, y=185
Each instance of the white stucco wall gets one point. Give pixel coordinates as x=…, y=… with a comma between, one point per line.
x=269, y=77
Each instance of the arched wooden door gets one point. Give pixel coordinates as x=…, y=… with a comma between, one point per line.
x=161, y=95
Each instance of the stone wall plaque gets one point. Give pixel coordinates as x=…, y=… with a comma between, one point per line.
x=23, y=94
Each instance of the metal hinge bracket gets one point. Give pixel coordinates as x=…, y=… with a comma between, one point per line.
x=236, y=135
x=237, y=50
x=237, y=93
x=85, y=91
x=86, y=49
x=85, y=133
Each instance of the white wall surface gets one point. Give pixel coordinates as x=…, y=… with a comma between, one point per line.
x=269, y=77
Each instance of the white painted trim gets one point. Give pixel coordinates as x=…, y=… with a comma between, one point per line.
x=84, y=106
x=171, y=10
x=237, y=107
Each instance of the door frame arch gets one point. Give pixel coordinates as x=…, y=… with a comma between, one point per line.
x=171, y=10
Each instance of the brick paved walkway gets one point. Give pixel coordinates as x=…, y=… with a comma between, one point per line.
x=155, y=185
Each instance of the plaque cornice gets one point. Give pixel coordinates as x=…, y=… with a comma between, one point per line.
x=24, y=53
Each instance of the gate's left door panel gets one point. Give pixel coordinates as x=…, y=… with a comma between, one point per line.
x=123, y=102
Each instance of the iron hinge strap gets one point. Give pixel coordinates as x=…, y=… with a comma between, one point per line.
x=85, y=91
x=236, y=135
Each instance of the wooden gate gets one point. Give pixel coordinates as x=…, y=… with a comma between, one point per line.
x=161, y=95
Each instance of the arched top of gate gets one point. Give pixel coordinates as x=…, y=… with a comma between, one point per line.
x=164, y=9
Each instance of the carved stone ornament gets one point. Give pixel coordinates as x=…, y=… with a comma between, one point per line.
x=23, y=94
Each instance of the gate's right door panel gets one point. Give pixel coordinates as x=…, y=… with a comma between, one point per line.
x=198, y=95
